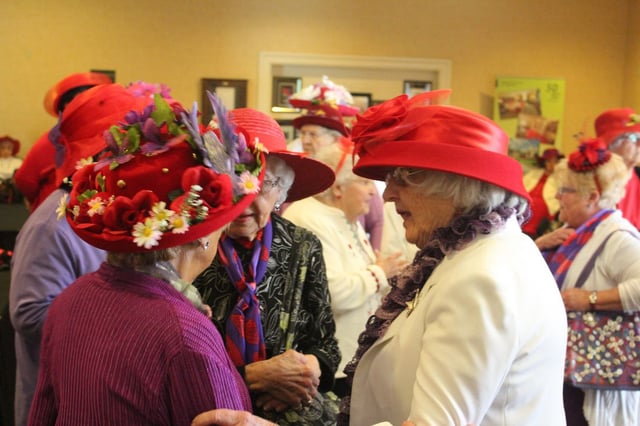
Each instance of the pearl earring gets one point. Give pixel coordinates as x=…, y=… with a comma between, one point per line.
x=277, y=207
x=205, y=246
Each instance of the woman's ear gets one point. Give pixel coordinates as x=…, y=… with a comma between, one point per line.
x=336, y=191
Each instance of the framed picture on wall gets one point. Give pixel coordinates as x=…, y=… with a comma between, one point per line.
x=282, y=88
x=361, y=100
x=232, y=93
x=413, y=87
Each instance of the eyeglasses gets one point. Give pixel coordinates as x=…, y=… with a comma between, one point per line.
x=268, y=185
x=566, y=190
x=626, y=137
x=401, y=176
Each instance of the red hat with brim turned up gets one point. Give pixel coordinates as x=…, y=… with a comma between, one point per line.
x=405, y=132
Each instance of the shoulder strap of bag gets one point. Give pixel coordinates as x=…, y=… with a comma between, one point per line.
x=588, y=267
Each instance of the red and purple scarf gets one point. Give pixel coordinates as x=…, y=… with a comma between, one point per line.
x=560, y=259
x=244, y=337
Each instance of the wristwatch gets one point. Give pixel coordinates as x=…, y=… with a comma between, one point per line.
x=593, y=299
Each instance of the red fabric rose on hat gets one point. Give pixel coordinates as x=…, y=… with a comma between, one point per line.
x=216, y=192
x=123, y=213
x=380, y=122
x=591, y=154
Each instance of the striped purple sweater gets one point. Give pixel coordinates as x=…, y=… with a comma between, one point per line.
x=124, y=348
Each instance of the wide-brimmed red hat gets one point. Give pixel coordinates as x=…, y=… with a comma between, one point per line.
x=89, y=79
x=311, y=176
x=615, y=122
x=14, y=142
x=162, y=183
x=410, y=132
x=79, y=133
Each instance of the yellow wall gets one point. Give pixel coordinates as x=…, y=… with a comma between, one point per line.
x=178, y=42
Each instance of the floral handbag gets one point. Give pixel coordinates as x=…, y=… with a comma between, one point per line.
x=603, y=347
x=603, y=350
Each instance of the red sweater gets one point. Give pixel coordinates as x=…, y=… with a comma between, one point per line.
x=123, y=348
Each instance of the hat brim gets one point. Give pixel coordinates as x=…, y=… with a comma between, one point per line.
x=487, y=166
x=609, y=137
x=53, y=95
x=319, y=120
x=311, y=176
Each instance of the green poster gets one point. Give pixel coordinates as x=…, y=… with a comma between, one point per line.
x=530, y=111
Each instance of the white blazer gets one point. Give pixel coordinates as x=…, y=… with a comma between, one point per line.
x=485, y=344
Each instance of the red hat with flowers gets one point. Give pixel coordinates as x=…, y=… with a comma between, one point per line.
x=413, y=132
x=616, y=122
x=591, y=154
x=162, y=182
x=311, y=176
x=325, y=104
x=15, y=143
x=74, y=81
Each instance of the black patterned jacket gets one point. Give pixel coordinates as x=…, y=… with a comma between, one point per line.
x=294, y=297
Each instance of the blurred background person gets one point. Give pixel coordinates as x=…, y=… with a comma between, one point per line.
x=9, y=164
x=48, y=255
x=36, y=178
x=358, y=278
x=276, y=271
x=591, y=183
x=135, y=331
x=619, y=128
x=541, y=185
x=476, y=320
x=325, y=105
x=9, y=160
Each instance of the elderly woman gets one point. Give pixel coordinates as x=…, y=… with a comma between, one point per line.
x=595, y=259
x=357, y=276
x=276, y=270
x=129, y=343
x=472, y=331
x=326, y=105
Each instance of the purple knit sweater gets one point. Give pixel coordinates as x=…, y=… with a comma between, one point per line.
x=121, y=347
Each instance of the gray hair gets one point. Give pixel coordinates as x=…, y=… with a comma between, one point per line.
x=278, y=168
x=468, y=194
x=331, y=155
x=612, y=177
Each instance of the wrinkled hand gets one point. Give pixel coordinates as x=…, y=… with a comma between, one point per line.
x=226, y=417
x=290, y=379
x=391, y=264
x=576, y=299
x=553, y=239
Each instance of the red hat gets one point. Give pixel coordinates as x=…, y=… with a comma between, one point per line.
x=325, y=104
x=548, y=154
x=12, y=141
x=162, y=183
x=322, y=115
x=53, y=96
x=311, y=176
x=79, y=133
x=614, y=122
x=404, y=132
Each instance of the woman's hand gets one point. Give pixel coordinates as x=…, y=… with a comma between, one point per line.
x=290, y=379
x=391, y=264
x=576, y=299
x=553, y=239
x=227, y=417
